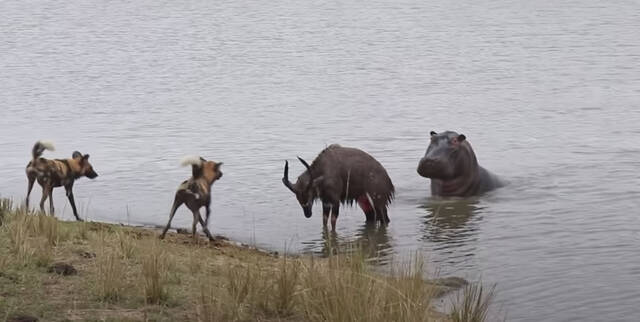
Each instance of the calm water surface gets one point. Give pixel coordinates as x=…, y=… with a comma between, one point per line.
x=548, y=93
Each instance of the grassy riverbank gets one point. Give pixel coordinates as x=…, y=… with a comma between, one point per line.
x=119, y=273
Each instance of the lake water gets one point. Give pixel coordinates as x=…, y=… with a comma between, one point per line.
x=548, y=93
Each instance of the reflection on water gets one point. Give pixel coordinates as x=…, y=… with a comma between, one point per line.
x=371, y=239
x=451, y=222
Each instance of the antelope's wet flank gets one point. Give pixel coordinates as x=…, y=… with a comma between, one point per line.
x=342, y=175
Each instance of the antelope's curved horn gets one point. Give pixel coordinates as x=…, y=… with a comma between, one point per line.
x=285, y=178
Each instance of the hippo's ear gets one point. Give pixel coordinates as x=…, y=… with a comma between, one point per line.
x=433, y=133
x=461, y=138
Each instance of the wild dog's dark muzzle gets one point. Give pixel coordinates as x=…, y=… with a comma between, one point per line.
x=92, y=175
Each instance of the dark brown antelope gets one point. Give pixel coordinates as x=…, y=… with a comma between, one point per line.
x=343, y=175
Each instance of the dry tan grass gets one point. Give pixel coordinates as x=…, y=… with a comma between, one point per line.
x=109, y=283
x=127, y=274
x=472, y=304
x=154, y=273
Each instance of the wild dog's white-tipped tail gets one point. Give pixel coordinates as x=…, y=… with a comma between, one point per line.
x=39, y=147
x=191, y=160
x=47, y=145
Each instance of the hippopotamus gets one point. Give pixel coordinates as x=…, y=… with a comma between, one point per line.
x=452, y=166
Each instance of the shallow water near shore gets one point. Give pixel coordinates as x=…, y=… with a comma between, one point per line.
x=547, y=93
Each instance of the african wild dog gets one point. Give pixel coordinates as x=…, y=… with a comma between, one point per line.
x=196, y=192
x=56, y=173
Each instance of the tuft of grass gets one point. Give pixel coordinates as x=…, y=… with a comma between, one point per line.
x=43, y=253
x=343, y=289
x=109, y=284
x=472, y=304
x=81, y=230
x=6, y=206
x=287, y=278
x=211, y=304
x=154, y=274
x=347, y=290
x=47, y=226
x=193, y=262
x=126, y=244
x=19, y=240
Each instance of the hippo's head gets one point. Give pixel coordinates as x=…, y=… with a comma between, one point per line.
x=449, y=156
x=304, y=188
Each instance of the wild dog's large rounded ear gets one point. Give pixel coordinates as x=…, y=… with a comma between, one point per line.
x=218, y=165
x=433, y=133
x=84, y=159
x=76, y=155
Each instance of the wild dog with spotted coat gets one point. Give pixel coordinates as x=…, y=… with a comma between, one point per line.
x=56, y=173
x=196, y=192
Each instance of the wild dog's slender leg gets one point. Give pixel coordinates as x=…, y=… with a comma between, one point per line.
x=208, y=209
x=326, y=211
x=197, y=218
x=177, y=202
x=69, y=189
x=196, y=215
x=51, y=210
x=32, y=180
x=204, y=225
x=45, y=194
x=335, y=211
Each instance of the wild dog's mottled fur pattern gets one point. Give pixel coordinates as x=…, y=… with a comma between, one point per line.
x=196, y=192
x=56, y=173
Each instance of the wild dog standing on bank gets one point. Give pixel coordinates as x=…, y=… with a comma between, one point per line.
x=343, y=175
x=196, y=192
x=56, y=173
